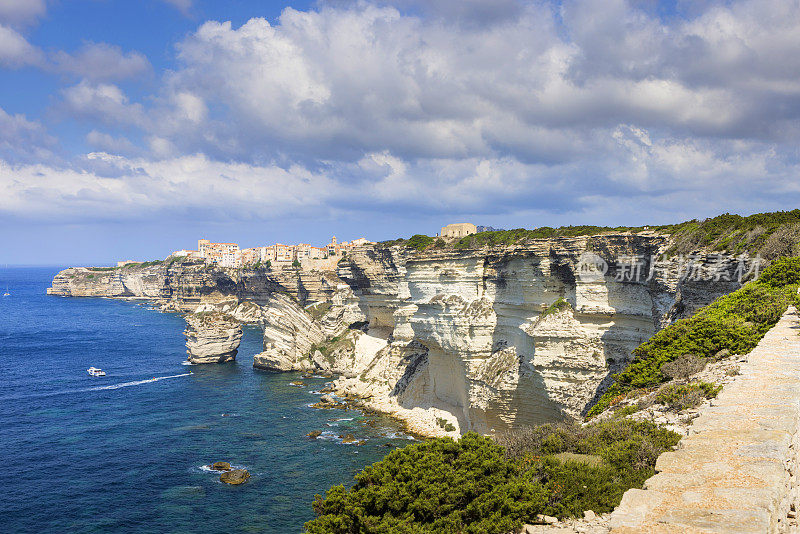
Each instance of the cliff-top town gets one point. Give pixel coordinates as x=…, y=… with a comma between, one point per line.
x=278, y=255
x=230, y=255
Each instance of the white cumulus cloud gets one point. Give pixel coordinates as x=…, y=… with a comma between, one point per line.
x=16, y=51
x=600, y=108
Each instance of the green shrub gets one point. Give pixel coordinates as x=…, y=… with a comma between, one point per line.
x=318, y=311
x=736, y=234
x=679, y=397
x=782, y=272
x=735, y=322
x=441, y=485
x=420, y=242
x=559, y=305
x=475, y=485
x=445, y=424
x=683, y=366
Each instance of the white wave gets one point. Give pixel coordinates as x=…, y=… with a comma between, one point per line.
x=136, y=383
x=207, y=468
x=186, y=362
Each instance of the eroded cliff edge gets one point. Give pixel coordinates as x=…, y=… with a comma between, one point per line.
x=470, y=338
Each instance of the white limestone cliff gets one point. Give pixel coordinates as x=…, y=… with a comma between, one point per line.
x=445, y=337
x=212, y=337
x=473, y=343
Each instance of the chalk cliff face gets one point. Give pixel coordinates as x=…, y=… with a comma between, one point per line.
x=468, y=337
x=212, y=337
x=471, y=341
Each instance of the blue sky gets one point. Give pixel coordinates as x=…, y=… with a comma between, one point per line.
x=130, y=129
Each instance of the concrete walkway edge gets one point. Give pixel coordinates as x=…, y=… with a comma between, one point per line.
x=736, y=471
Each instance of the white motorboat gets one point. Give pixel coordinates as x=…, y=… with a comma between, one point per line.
x=94, y=371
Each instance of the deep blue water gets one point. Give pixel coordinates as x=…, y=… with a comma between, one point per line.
x=123, y=453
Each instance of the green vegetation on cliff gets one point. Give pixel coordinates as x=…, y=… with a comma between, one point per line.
x=770, y=235
x=475, y=485
x=558, y=306
x=735, y=323
x=521, y=235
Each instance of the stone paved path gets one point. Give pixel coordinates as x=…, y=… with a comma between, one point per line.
x=736, y=470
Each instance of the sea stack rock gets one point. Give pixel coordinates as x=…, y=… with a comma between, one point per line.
x=212, y=337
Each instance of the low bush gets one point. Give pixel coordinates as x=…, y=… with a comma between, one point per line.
x=420, y=242
x=782, y=272
x=174, y=259
x=445, y=424
x=318, y=311
x=679, y=397
x=475, y=485
x=767, y=234
x=683, y=366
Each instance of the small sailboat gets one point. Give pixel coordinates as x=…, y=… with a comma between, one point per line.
x=6, y=294
x=94, y=371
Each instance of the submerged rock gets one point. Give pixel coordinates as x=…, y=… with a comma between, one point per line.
x=234, y=476
x=348, y=438
x=212, y=337
x=314, y=434
x=221, y=466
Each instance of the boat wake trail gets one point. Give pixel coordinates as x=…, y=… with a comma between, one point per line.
x=136, y=383
x=98, y=388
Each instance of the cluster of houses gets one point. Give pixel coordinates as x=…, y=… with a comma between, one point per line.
x=279, y=255
x=230, y=255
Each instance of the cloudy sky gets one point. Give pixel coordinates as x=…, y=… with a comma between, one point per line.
x=130, y=129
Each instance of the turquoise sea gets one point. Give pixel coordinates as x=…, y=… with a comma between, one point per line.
x=126, y=453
